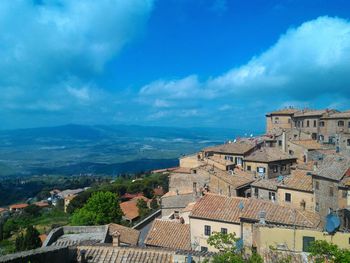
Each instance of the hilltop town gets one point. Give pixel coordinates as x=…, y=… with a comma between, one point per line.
x=277, y=193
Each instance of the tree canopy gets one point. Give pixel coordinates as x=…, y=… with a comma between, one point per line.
x=101, y=208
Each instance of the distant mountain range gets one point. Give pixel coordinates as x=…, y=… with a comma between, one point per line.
x=106, y=150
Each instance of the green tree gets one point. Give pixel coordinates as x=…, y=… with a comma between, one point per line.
x=229, y=253
x=30, y=240
x=143, y=208
x=322, y=251
x=32, y=210
x=101, y=208
x=154, y=204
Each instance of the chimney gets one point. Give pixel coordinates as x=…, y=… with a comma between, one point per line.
x=116, y=239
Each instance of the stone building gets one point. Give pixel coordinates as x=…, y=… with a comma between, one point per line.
x=280, y=119
x=269, y=162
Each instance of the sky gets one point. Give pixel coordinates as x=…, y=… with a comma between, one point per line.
x=184, y=63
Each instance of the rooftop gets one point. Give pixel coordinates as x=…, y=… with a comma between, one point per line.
x=285, y=111
x=18, y=206
x=239, y=147
x=169, y=234
x=308, y=144
x=339, y=115
x=127, y=235
x=232, y=209
x=333, y=166
x=130, y=209
x=268, y=154
x=310, y=113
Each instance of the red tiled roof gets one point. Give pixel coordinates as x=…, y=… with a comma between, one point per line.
x=127, y=234
x=130, y=209
x=41, y=204
x=18, y=206
x=169, y=234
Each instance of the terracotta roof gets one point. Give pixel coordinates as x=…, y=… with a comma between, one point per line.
x=333, y=167
x=218, y=207
x=297, y=180
x=236, y=180
x=180, y=192
x=232, y=209
x=189, y=207
x=280, y=215
x=268, y=154
x=308, y=144
x=130, y=209
x=18, y=206
x=239, y=147
x=182, y=170
x=169, y=234
x=286, y=111
x=127, y=235
x=311, y=113
x=130, y=196
x=339, y=115
x=2, y=209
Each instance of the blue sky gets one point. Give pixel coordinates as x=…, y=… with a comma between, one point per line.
x=215, y=63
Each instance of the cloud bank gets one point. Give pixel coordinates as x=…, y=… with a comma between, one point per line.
x=306, y=64
x=51, y=50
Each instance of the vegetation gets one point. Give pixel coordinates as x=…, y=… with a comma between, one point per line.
x=143, y=208
x=230, y=250
x=322, y=251
x=101, y=208
x=30, y=240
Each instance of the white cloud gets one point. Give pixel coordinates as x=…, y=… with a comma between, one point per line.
x=45, y=44
x=306, y=62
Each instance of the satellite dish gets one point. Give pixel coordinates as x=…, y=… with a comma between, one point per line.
x=239, y=245
x=332, y=223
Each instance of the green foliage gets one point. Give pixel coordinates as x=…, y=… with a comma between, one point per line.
x=321, y=251
x=143, y=208
x=101, y=208
x=154, y=204
x=30, y=240
x=226, y=244
x=32, y=210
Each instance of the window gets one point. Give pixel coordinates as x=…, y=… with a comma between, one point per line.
x=340, y=123
x=276, y=120
x=349, y=124
x=307, y=123
x=204, y=249
x=256, y=192
x=349, y=240
x=321, y=124
x=239, y=160
x=288, y=120
x=275, y=168
x=331, y=192
x=315, y=123
x=345, y=193
x=303, y=204
x=207, y=230
x=224, y=230
x=194, y=171
x=194, y=187
x=317, y=207
x=348, y=142
x=288, y=197
x=279, y=143
x=260, y=170
x=291, y=152
x=317, y=186
x=283, y=167
x=307, y=241
x=272, y=196
x=302, y=124
x=249, y=168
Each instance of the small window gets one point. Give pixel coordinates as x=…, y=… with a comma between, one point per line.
x=321, y=124
x=345, y=194
x=272, y=196
x=204, y=249
x=349, y=124
x=288, y=197
x=307, y=123
x=331, y=192
x=317, y=207
x=349, y=240
x=348, y=142
x=275, y=168
x=302, y=124
x=279, y=143
x=207, y=230
x=303, y=204
x=224, y=230
x=340, y=123
x=256, y=192
x=194, y=171
x=249, y=168
x=307, y=242
x=317, y=186
x=315, y=123
x=283, y=167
